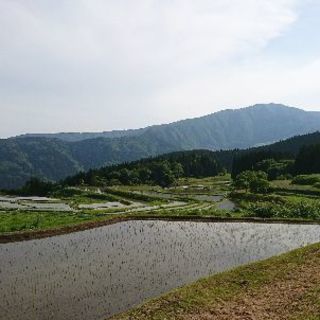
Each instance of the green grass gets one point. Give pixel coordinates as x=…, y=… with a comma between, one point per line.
x=287, y=187
x=218, y=184
x=75, y=196
x=15, y=220
x=125, y=194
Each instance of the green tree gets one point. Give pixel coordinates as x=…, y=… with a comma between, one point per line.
x=177, y=169
x=259, y=185
x=243, y=180
x=255, y=181
x=36, y=187
x=162, y=174
x=124, y=176
x=92, y=179
x=144, y=174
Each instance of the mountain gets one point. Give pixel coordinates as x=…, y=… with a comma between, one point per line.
x=21, y=159
x=240, y=128
x=79, y=136
x=59, y=155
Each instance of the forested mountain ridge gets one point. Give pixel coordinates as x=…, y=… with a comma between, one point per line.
x=240, y=128
x=54, y=158
x=227, y=129
x=79, y=136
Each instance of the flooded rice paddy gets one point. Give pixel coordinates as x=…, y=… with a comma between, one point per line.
x=108, y=205
x=33, y=203
x=100, y=272
x=226, y=204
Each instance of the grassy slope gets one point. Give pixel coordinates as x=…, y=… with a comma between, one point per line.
x=283, y=287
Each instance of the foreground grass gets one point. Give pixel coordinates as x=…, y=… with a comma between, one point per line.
x=283, y=287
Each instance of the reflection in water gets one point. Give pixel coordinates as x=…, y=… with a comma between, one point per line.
x=96, y=273
x=226, y=204
x=205, y=197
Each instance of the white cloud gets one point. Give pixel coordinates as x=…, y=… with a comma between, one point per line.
x=142, y=31
x=121, y=63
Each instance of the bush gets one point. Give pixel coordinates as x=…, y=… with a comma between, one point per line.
x=67, y=192
x=301, y=210
x=263, y=210
x=317, y=185
x=259, y=185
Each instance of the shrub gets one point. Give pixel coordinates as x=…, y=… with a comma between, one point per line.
x=302, y=210
x=317, y=185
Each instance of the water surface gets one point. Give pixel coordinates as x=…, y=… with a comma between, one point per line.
x=96, y=273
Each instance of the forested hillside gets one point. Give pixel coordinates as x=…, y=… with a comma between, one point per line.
x=55, y=157
x=284, y=159
x=162, y=170
x=297, y=155
x=204, y=163
x=45, y=158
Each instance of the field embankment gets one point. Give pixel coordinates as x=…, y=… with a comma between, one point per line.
x=284, y=287
x=77, y=227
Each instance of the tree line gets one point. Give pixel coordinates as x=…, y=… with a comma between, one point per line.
x=278, y=164
x=162, y=170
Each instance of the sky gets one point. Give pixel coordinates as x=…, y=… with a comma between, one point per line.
x=98, y=65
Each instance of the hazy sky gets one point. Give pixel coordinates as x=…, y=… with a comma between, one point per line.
x=93, y=65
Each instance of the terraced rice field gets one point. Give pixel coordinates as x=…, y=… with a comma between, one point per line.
x=100, y=272
x=77, y=205
x=33, y=203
